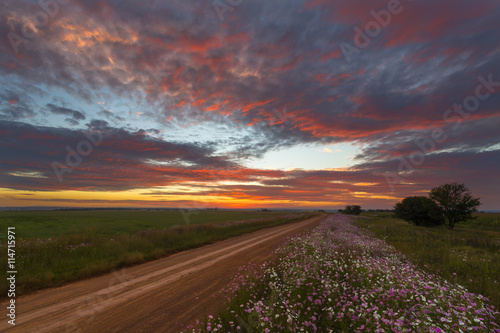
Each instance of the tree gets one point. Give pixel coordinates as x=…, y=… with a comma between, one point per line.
x=352, y=210
x=419, y=210
x=456, y=202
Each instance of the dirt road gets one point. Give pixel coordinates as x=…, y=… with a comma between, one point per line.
x=159, y=296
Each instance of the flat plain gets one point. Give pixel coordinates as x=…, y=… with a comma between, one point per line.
x=57, y=247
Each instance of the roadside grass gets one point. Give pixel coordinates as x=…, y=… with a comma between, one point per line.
x=468, y=255
x=50, y=262
x=47, y=224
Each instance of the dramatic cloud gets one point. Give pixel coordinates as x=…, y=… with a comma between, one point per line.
x=186, y=92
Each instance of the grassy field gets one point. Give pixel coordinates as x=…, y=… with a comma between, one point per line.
x=468, y=255
x=483, y=221
x=46, y=224
x=57, y=247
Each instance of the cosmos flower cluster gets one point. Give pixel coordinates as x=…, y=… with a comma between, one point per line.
x=339, y=278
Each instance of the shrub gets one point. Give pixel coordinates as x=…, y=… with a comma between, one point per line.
x=419, y=210
x=352, y=210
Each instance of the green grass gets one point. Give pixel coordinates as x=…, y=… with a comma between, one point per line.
x=468, y=255
x=82, y=244
x=483, y=221
x=46, y=224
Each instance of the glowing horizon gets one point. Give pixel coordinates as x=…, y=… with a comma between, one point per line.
x=270, y=105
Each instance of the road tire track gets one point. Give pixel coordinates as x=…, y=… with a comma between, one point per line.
x=159, y=296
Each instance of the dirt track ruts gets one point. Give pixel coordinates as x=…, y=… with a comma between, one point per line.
x=160, y=296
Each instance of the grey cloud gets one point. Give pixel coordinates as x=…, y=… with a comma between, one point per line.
x=76, y=115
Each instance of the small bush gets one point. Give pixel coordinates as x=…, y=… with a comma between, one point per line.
x=419, y=210
x=352, y=210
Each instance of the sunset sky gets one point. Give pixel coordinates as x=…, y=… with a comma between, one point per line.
x=247, y=103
